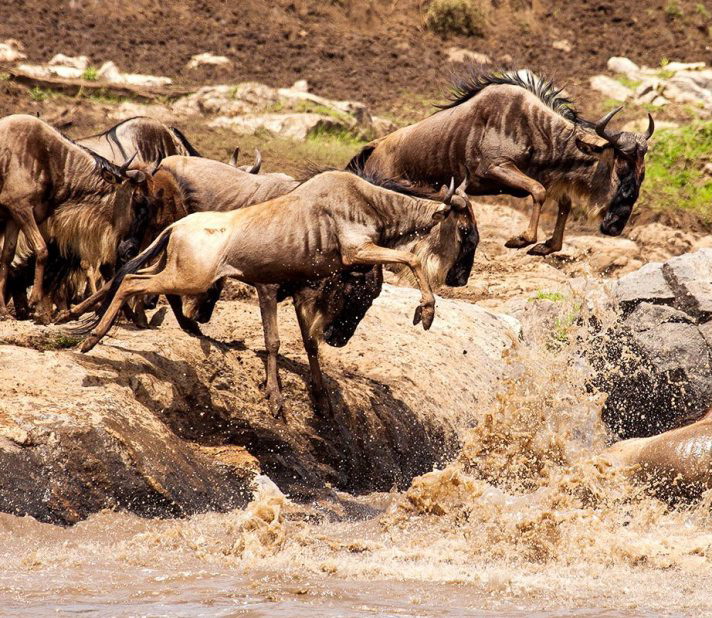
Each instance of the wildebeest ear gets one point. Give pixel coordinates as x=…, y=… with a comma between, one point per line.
x=589, y=145
x=137, y=177
x=441, y=213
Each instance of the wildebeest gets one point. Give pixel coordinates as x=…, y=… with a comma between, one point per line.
x=149, y=139
x=513, y=133
x=331, y=223
x=40, y=171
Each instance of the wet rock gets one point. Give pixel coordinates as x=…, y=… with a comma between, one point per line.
x=164, y=424
x=656, y=363
x=648, y=284
x=611, y=88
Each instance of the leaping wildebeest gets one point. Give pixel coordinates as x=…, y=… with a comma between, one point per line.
x=40, y=171
x=331, y=223
x=513, y=133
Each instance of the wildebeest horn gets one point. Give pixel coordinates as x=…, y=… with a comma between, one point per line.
x=651, y=127
x=255, y=169
x=234, y=157
x=450, y=192
x=601, y=126
x=126, y=164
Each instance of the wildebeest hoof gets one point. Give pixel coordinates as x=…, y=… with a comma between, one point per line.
x=158, y=317
x=276, y=404
x=63, y=316
x=518, y=242
x=541, y=249
x=89, y=343
x=424, y=313
x=191, y=327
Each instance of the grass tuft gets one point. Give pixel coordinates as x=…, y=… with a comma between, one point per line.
x=447, y=17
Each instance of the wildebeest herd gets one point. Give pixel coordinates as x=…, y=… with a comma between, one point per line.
x=136, y=212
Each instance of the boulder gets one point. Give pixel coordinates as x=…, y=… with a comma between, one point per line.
x=460, y=54
x=75, y=62
x=623, y=66
x=11, y=51
x=293, y=126
x=208, y=59
x=610, y=88
x=164, y=424
x=656, y=362
x=562, y=45
x=110, y=73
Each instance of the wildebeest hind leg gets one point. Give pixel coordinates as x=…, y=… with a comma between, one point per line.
x=8, y=253
x=267, y=296
x=322, y=404
x=511, y=176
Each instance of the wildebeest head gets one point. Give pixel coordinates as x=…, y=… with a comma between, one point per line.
x=448, y=250
x=619, y=170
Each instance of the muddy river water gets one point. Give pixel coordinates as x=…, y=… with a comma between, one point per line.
x=530, y=519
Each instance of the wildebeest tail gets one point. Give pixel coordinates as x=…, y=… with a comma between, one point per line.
x=132, y=266
x=358, y=163
x=184, y=141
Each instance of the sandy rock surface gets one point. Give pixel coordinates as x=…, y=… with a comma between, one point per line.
x=161, y=423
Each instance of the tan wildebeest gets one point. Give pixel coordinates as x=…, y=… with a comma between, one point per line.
x=41, y=171
x=331, y=223
x=514, y=134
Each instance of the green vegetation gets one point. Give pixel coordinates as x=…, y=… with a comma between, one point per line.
x=673, y=10
x=675, y=178
x=41, y=94
x=609, y=104
x=103, y=96
x=564, y=324
x=628, y=82
x=48, y=342
x=308, y=107
x=90, y=74
x=552, y=296
x=447, y=17
x=702, y=10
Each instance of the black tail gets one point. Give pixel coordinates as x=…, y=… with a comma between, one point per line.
x=132, y=266
x=186, y=144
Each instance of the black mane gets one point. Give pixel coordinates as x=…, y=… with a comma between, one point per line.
x=475, y=80
x=391, y=184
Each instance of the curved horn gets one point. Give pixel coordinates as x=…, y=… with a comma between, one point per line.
x=255, y=169
x=603, y=122
x=235, y=155
x=651, y=128
x=450, y=192
x=126, y=164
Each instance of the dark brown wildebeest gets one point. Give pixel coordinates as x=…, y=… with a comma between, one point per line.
x=149, y=139
x=329, y=224
x=40, y=171
x=513, y=133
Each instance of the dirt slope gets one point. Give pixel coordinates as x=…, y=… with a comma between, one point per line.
x=375, y=51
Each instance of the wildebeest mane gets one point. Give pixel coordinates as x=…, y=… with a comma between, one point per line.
x=475, y=79
x=356, y=169
x=186, y=144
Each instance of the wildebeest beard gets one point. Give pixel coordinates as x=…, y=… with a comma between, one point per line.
x=618, y=213
x=459, y=272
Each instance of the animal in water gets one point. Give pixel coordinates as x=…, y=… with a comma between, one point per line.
x=42, y=171
x=331, y=223
x=514, y=133
x=676, y=464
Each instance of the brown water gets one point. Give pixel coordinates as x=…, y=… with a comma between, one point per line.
x=529, y=520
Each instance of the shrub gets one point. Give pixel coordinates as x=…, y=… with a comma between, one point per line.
x=90, y=74
x=456, y=17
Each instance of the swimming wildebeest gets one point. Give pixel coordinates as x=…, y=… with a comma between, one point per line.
x=514, y=134
x=40, y=171
x=333, y=222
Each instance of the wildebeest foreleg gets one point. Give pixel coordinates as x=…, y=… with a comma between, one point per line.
x=8, y=253
x=188, y=325
x=370, y=253
x=28, y=226
x=511, y=176
x=557, y=239
x=267, y=296
x=322, y=404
